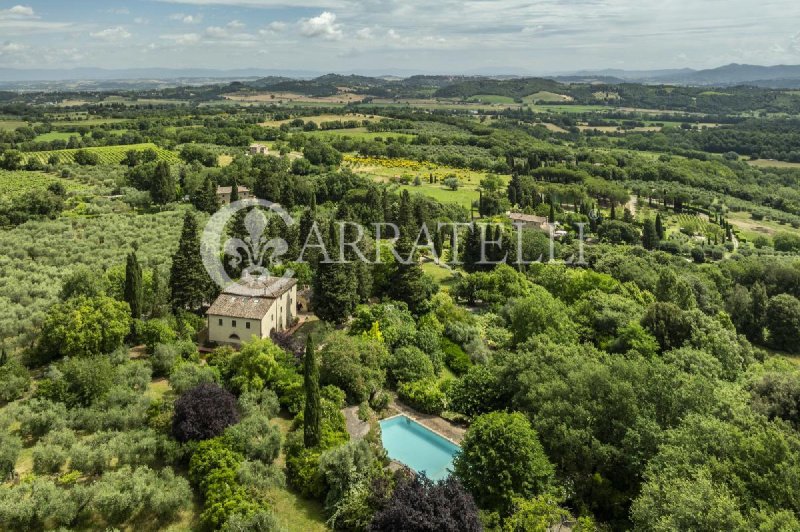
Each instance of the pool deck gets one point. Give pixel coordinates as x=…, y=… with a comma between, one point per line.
x=441, y=426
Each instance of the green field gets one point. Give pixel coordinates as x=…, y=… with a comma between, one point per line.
x=55, y=135
x=18, y=182
x=359, y=133
x=10, y=125
x=106, y=154
x=544, y=96
x=490, y=98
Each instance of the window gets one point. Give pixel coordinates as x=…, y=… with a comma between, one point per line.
x=233, y=323
x=220, y=321
x=247, y=325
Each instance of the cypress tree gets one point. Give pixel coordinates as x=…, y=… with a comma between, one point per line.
x=552, y=216
x=405, y=215
x=163, y=188
x=408, y=283
x=312, y=415
x=335, y=293
x=613, y=211
x=649, y=234
x=659, y=227
x=133, y=285
x=759, y=298
x=189, y=282
x=234, y=191
x=472, y=249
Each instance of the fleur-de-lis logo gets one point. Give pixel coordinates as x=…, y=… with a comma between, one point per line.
x=254, y=250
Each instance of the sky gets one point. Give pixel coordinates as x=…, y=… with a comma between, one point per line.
x=390, y=36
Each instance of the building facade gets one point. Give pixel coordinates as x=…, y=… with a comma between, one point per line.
x=254, y=308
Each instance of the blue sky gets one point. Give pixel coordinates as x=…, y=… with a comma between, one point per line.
x=444, y=36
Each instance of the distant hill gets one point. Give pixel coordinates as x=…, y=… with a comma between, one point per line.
x=778, y=76
x=513, y=88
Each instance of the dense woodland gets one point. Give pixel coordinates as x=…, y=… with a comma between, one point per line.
x=644, y=378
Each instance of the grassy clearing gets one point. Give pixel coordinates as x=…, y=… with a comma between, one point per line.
x=490, y=98
x=466, y=194
x=318, y=119
x=772, y=163
x=546, y=97
x=105, y=154
x=88, y=121
x=750, y=228
x=55, y=135
x=441, y=274
x=10, y=125
x=360, y=133
x=568, y=108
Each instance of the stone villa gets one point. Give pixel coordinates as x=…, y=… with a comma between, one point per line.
x=257, y=308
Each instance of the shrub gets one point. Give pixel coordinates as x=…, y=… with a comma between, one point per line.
x=154, y=332
x=79, y=381
x=477, y=392
x=10, y=446
x=260, y=402
x=188, y=375
x=455, y=357
x=203, y=412
x=163, y=359
x=14, y=381
x=354, y=364
x=37, y=417
x=409, y=364
x=255, y=437
x=419, y=504
x=423, y=395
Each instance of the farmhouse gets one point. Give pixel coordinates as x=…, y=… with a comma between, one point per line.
x=258, y=149
x=529, y=221
x=257, y=307
x=224, y=194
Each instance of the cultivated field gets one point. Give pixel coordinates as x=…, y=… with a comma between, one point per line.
x=106, y=154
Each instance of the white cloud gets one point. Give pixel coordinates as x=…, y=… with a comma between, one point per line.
x=273, y=28
x=182, y=38
x=120, y=11
x=365, y=34
x=17, y=12
x=117, y=33
x=235, y=24
x=11, y=47
x=187, y=19
x=323, y=26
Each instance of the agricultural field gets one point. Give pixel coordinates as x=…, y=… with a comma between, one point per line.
x=55, y=135
x=546, y=97
x=771, y=163
x=491, y=98
x=13, y=183
x=106, y=154
x=10, y=125
x=318, y=119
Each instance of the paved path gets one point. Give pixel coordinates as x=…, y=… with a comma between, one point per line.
x=357, y=428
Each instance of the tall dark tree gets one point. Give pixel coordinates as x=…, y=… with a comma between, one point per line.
x=234, y=191
x=759, y=301
x=134, y=292
x=312, y=420
x=163, y=188
x=472, y=249
x=405, y=215
x=205, y=197
x=189, y=282
x=335, y=284
x=659, y=226
x=649, y=234
x=408, y=282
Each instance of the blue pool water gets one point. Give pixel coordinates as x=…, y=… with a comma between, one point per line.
x=418, y=447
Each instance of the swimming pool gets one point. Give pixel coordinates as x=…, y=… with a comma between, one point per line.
x=419, y=448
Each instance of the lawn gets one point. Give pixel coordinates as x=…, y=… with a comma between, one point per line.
x=750, y=228
x=440, y=273
x=10, y=125
x=55, y=135
x=546, y=97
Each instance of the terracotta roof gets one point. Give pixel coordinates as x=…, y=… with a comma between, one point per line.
x=269, y=287
x=528, y=217
x=253, y=308
x=227, y=190
x=250, y=298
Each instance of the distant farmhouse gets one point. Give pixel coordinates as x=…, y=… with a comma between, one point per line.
x=538, y=223
x=257, y=307
x=224, y=194
x=530, y=221
x=258, y=149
